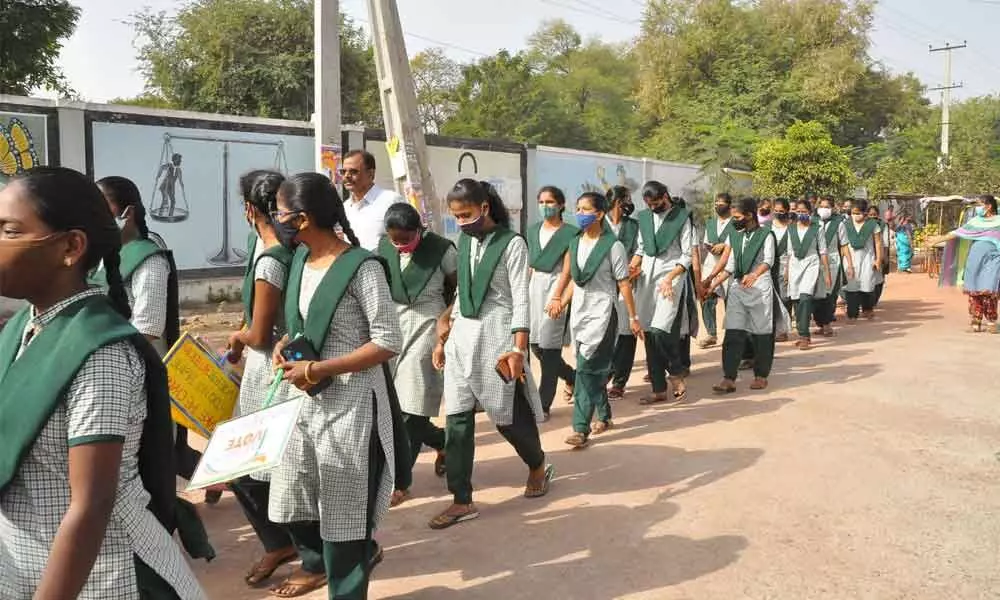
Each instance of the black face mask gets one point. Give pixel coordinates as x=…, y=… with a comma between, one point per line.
x=627, y=209
x=722, y=211
x=661, y=209
x=764, y=212
x=286, y=233
x=739, y=225
x=781, y=216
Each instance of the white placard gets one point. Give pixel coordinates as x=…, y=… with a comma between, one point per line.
x=255, y=442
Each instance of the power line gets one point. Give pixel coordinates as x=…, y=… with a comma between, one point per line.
x=589, y=12
x=600, y=11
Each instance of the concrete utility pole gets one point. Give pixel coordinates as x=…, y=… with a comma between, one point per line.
x=946, y=100
x=326, y=89
x=410, y=168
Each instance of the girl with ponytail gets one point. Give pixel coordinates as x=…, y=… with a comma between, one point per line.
x=342, y=322
x=99, y=410
x=548, y=245
x=626, y=229
x=484, y=347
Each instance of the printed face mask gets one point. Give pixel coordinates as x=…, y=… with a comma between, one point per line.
x=408, y=247
x=805, y=218
x=548, y=211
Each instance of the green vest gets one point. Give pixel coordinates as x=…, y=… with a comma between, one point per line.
x=859, y=239
x=604, y=244
x=712, y=230
x=801, y=246
x=327, y=297
x=58, y=351
x=472, y=290
x=550, y=258
x=278, y=252
x=782, y=246
x=407, y=284
x=744, y=259
x=832, y=228
x=628, y=234
x=655, y=243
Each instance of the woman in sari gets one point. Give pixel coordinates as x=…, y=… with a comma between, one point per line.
x=904, y=244
x=972, y=260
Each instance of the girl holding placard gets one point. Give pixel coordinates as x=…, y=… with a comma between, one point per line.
x=339, y=467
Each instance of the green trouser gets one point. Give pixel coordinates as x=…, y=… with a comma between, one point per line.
x=590, y=393
x=348, y=564
x=460, y=444
x=422, y=432
x=151, y=585
x=825, y=309
x=734, y=348
x=254, y=497
x=663, y=355
x=621, y=366
x=803, y=314
x=708, y=315
x=878, y=294
x=859, y=301
x=553, y=369
x=305, y=536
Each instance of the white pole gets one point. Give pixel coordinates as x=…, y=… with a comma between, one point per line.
x=326, y=41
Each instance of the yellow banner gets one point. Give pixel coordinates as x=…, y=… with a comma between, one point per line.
x=202, y=394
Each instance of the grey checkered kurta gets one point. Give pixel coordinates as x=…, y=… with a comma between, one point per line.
x=548, y=333
x=833, y=255
x=324, y=474
x=752, y=309
x=107, y=399
x=865, y=275
x=594, y=303
x=475, y=345
x=147, y=295
x=258, y=374
x=780, y=233
x=709, y=260
x=419, y=385
x=804, y=274
x=689, y=318
x=653, y=309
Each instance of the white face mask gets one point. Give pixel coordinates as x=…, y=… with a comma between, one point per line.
x=824, y=213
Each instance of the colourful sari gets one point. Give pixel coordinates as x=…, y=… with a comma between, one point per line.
x=904, y=248
x=972, y=260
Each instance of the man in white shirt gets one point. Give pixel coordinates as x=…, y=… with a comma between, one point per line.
x=367, y=203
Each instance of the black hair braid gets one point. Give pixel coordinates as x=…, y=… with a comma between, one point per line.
x=345, y=225
x=263, y=194
x=116, y=287
x=498, y=212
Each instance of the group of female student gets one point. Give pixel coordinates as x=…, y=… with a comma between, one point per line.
x=391, y=334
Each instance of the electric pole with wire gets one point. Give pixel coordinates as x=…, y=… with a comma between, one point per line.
x=946, y=100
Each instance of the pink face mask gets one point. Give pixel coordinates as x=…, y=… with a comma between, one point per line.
x=408, y=247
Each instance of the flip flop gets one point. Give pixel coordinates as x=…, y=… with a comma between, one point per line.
x=399, y=497
x=723, y=389
x=550, y=472
x=651, y=400
x=759, y=384
x=298, y=589
x=259, y=573
x=602, y=426
x=444, y=520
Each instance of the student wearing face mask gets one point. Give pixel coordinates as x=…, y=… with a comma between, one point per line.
x=548, y=242
x=764, y=212
x=485, y=348
x=752, y=305
x=600, y=275
x=423, y=274
x=979, y=242
x=664, y=257
x=619, y=220
x=840, y=261
x=883, y=231
x=717, y=230
x=865, y=242
x=805, y=264
x=150, y=278
x=779, y=225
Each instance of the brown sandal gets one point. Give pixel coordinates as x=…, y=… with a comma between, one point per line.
x=678, y=388
x=600, y=427
x=264, y=568
x=616, y=393
x=449, y=518
x=568, y=394
x=399, y=497
x=290, y=588
x=652, y=399
x=535, y=491
x=724, y=387
x=759, y=384
x=577, y=441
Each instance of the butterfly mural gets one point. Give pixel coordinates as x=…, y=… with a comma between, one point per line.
x=17, y=148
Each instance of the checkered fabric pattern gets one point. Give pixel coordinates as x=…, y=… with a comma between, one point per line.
x=147, y=295
x=324, y=473
x=105, y=402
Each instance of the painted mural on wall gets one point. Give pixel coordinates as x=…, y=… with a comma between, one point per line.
x=501, y=169
x=189, y=179
x=23, y=143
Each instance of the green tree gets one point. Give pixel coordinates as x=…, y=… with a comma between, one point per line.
x=31, y=36
x=145, y=100
x=436, y=78
x=718, y=76
x=250, y=57
x=500, y=97
x=804, y=160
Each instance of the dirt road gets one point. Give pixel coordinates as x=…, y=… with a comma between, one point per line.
x=869, y=469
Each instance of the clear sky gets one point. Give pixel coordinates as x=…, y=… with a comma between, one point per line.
x=100, y=60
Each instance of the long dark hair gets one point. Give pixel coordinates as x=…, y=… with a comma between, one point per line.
x=123, y=192
x=66, y=200
x=470, y=191
x=403, y=216
x=314, y=194
x=263, y=192
x=654, y=189
x=556, y=193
